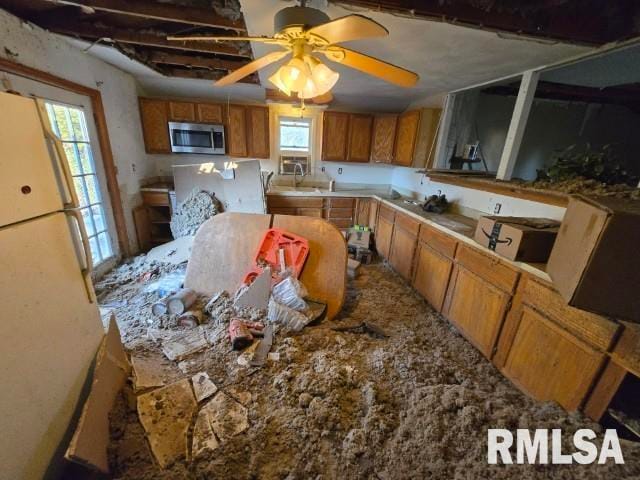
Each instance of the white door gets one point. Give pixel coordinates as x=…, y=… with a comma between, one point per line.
x=72, y=119
x=49, y=334
x=28, y=182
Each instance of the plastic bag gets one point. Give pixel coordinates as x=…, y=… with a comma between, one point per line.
x=171, y=282
x=286, y=317
x=290, y=292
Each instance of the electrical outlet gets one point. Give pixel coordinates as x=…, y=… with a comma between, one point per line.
x=340, y=171
x=322, y=169
x=496, y=208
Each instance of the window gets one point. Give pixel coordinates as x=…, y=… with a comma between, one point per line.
x=70, y=126
x=295, y=134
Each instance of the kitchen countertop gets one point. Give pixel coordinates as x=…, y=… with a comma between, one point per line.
x=458, y=226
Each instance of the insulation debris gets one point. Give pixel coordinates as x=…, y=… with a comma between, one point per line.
x=197, y=208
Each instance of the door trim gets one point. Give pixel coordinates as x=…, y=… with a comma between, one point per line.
x=103, y=137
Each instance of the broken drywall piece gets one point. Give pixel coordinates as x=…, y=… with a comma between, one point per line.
x=257, y=294
x=204, y=440
x=165, y=414
x=177, y=251
x=147, y=373
x=241, y=396
x=185, y=344
x=226, y=416
x=89, y=443
x=203, y=387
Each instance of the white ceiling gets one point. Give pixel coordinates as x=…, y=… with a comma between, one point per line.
x=446, y=57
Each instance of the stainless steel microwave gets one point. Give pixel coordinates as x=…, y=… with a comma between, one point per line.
x=196, y=138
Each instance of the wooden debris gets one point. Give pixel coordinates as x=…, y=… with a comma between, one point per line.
x=262, y=350
x=183, y=345
x=165, y=414
x=203, y=387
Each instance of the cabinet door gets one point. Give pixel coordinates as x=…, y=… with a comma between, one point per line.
x=403, y=244
x=477, y=308
x=384, y=135
x=373, y=214
x=383, y=237
x=237, y=131
x=359, y=138
x=182, y=112
x=309, y=212
x=258, y=132
x=142, y=222
x=209, y=113
x=406, y=135
x=362, y=212
x=432, y=274
x=335, y=131
x=155, y=128
x=549, y=363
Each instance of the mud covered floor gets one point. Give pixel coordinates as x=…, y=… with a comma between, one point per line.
x=344, y=405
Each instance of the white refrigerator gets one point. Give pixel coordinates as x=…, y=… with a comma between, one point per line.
x=50, y=327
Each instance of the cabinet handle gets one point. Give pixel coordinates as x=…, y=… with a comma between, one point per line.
x=61, y=156
x=86, y=248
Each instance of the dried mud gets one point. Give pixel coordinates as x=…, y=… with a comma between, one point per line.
x=339, y=405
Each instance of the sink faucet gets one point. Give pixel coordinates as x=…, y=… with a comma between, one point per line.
x=297, y=166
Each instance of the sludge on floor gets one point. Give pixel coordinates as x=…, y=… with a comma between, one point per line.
x=345, y=405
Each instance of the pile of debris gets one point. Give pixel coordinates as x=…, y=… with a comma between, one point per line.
x=584, y=186
x=196, y=209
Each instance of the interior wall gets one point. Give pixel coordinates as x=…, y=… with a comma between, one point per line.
x=32, y=46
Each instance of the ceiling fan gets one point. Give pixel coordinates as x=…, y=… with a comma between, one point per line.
x=305, y=32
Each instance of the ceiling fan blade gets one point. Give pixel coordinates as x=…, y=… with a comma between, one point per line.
x=351, y=27
x=372, y=66
x=251, y=67
x=226, y=39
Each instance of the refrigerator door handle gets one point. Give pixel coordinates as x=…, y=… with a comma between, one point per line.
x=59, y=154
x=87, y=261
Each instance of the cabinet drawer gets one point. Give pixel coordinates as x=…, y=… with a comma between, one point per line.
x=489, y=268
x=340, y=222
x=407, y=223
x=346, y=213
x=337, y=202
x=439, y=241
x=155, y=199
x=309, y=212
x=387, y=213
x=596, y=330
x=294, y=202
x=282, y=211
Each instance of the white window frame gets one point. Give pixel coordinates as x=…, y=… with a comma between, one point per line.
x=299, y=153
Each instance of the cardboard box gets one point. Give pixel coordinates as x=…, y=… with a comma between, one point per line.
x=359, y=238
x=595, y=263
x=518, y=238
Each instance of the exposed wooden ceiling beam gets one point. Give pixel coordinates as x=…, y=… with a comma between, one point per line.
x=96, y=32
x=166, y=12
x=191, y=61
x=205, y=75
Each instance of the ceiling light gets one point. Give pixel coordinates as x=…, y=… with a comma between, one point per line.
x=306, y=76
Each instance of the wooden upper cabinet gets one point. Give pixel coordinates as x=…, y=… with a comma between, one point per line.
x=258, y=132
x=209, y=113
x=384, y=136
x=182, y=111
x=154, y=115
x=335, y=135
x=406, y=135
x=236, y=134
x=360, y=127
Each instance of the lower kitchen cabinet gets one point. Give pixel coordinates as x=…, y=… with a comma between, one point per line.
x=549, y=363
x=403, y=245
x=433, y=265
x=384, y=231
x=432, y=274
x=479, y=296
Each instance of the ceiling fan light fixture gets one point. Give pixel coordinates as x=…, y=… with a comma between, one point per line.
x=324, y=78
x=280, y=85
